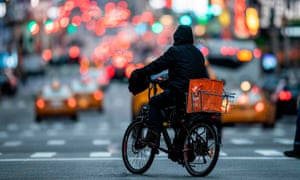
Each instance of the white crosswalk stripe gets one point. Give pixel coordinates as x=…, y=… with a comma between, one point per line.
x=269, y=152
x=43, y=155
x=100, y=154
x=222, y=153
x=284, y=141
x=56, y=142
x=12, y=143
x=241, y=141
x=98, y=142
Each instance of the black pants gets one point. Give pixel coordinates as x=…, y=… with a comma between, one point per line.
x=156, y=104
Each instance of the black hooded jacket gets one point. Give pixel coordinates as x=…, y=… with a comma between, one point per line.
x=183, y=60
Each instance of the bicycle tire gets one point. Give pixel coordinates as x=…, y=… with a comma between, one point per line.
x=142, y=158
x=201, y=149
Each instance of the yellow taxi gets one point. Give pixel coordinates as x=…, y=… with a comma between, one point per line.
x=141, y=99
x=55, y=100
x=250, y=105
x=87, y=94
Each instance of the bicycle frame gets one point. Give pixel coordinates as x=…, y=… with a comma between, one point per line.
x=167, y=139
x=195, y=145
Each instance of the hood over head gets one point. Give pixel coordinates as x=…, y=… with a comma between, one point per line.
x=183, y=35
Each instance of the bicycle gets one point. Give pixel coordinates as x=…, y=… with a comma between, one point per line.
x=195, y=145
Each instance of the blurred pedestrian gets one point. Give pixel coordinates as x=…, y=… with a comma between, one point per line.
x=296, y=150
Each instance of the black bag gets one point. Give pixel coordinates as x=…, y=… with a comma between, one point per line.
x=138, y=82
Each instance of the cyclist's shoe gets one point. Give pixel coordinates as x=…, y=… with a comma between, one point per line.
x=152, y=139
x=292, y=153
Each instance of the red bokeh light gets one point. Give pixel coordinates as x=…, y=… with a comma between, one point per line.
x=74, y=52
x=47, y=55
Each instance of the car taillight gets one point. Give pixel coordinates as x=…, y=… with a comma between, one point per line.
x=71, y=102
x=98, y=95
x=243, y=99
x=244, y=55
x=260, y=106
x=285, y=95
x=110, y=70
x=40, y=103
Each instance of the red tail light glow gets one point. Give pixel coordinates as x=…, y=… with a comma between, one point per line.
x=285, y=95
x=243, y=99
x=204, y=50
x=259, y=107
x=110, y=71
x=40, y=103
x=257, y=53
x=72, y=102
x=98, y=95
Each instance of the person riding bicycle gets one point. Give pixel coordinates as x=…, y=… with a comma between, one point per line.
x=183, y=61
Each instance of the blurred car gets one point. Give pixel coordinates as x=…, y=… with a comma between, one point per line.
x=33, y=64
x=286, y=103
x=65, y=55
x=8, y=82
x=100, y=75
x=250, y=105
x=87, y=94
x=55, y=100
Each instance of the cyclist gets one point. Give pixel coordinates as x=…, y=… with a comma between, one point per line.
x=184, y=62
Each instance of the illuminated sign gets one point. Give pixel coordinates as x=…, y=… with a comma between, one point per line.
x=200, y=8
x=280, y=8
x=2, y=9
x=291, y=31
x=240, y=27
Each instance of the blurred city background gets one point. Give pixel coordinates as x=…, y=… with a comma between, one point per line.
x=72, y=58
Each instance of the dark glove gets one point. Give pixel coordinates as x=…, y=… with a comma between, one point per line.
x=138, y=81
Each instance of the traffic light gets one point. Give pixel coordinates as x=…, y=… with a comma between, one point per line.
x=185, y=20
x=157, y=27
x=71, y=28
x=33, y=27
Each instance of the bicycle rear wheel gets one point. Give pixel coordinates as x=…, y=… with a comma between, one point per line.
x=137, y=158
x=201, y=149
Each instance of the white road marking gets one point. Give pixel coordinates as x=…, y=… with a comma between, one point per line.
x=98, y=142
x=100, y=154
x=222, y=153
x=120, y=159
x=240, y=141
x=56, y=142
x=269, y=152
x=12, y=143
x=284, y=141
x=43, y=155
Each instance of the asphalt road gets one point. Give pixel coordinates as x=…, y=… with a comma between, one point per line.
x=90, y=149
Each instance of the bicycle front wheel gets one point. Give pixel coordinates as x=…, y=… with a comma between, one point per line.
x=201, y=149
x=136, y=157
